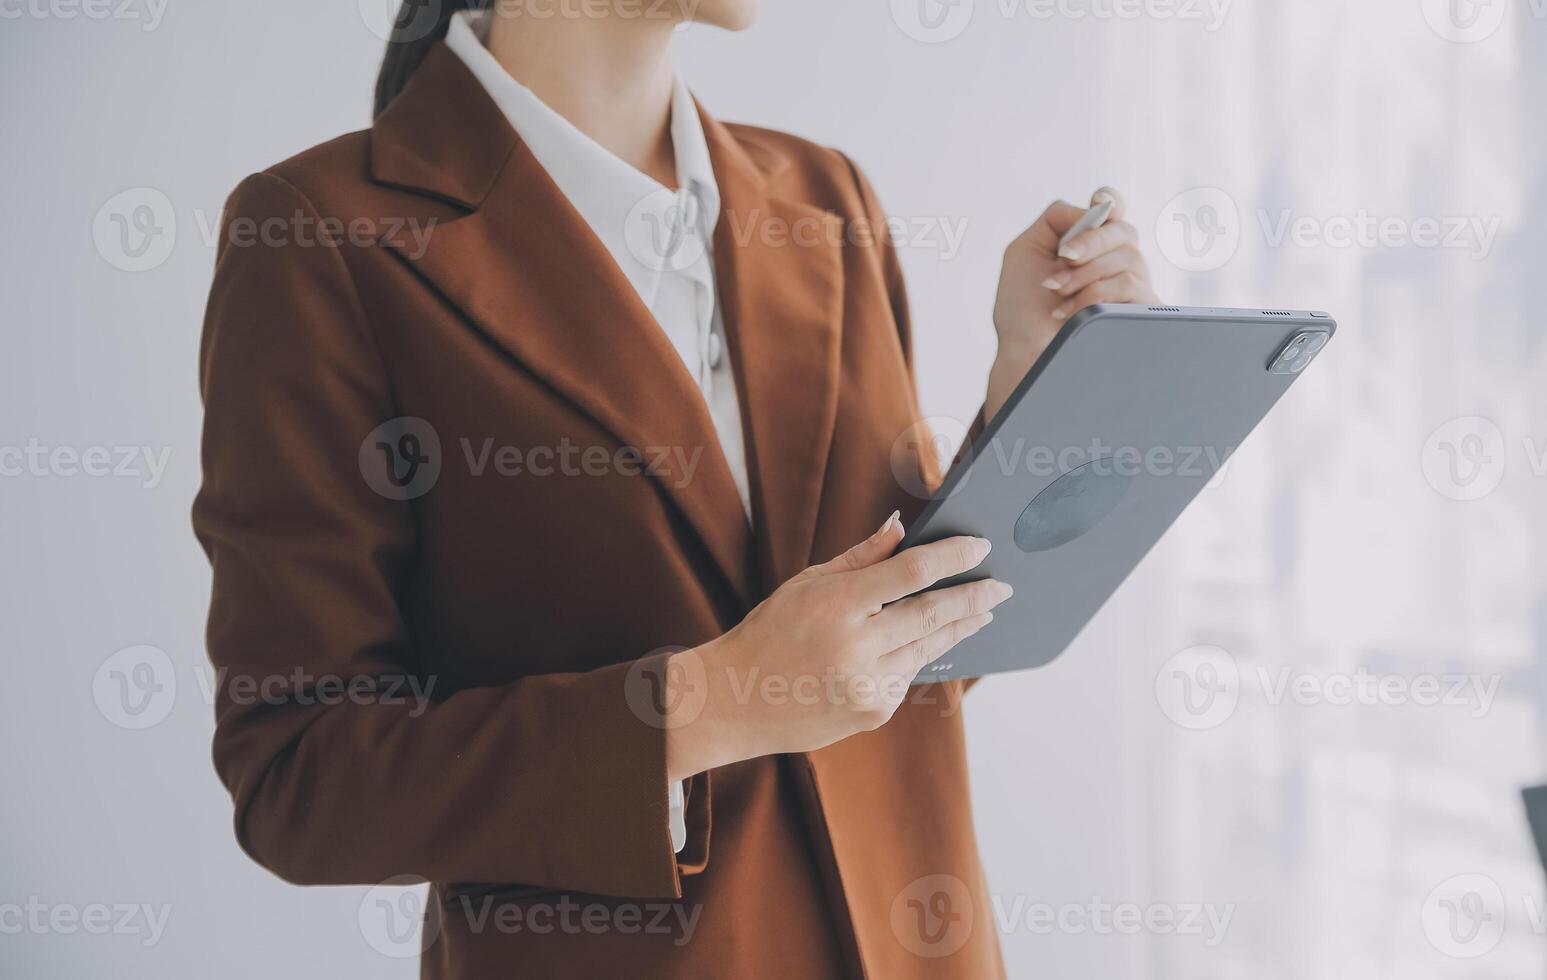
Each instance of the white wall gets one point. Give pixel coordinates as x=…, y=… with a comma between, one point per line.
x=1324, y=830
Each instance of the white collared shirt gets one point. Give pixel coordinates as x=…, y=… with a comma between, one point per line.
x=661, y=239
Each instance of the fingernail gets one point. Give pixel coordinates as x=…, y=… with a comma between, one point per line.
x=1003, y=590
x=1055, y=281
x=1071, y=252
x=1100, y=196
x=985, y=546
x=1059, y=314
x=889, y=522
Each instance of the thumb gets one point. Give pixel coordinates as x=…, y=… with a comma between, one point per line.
x=877, y=547
x=1118, y=204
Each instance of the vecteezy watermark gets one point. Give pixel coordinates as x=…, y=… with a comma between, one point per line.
x=1210, y=14
x=1470, y=21
x=933, y=916
x=36, y=917
x=1199, y=688
x=1473, y=234
x=669, y=688
x=303, y=229
x=1097, y=916
x=147, y=464
x=1201, y=229
x=922, y=453
x=940, y=234
x=937, y=21
x=299, y=686
x=1466, y=458
x=401, y=917
x=565, y=915
x=1464, y=916
x=136, y=230
x=402, y=459
x=675, y=465
x=136, y=687
x=147, y=12
x=925, y=449
x=414, y=20
x=665, y=231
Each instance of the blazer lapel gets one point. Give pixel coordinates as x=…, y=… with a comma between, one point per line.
x=779, y=274
x=528, y=272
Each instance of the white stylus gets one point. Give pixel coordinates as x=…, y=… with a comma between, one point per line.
x=1094, y=218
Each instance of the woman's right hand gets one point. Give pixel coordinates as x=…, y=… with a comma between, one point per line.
x=831, y=653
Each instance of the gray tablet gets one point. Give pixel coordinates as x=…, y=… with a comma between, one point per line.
x=1125, y=417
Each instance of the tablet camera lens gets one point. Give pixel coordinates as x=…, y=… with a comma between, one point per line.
x=1298, y=352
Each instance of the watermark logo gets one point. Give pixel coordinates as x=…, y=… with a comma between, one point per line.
x=149, y=12
x=667, y=688
x=135, y=230
x=1097, y=916
x=136, y=687
x=1473, y=234
x=1199, y=230
x=413, y=20
x=932, y=916
x=145, y=464
x=1463, y=916
x=923, y=451
x=36, y=917
x=663, y=230
x=401, y=458
x=932, y=21
x=1465, y=21
x=400, y=917
x=1464, y=459
x=1199, y=687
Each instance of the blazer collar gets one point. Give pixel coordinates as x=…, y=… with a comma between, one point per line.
x=526, y=270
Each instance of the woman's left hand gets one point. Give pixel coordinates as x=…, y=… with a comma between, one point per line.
x=1041, y=287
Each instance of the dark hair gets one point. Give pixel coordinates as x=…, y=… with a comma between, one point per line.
x=415, y=29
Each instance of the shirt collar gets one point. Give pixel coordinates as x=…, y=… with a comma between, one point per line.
x=602, y=187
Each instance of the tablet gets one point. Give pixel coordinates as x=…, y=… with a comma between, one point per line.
x=1126, y=416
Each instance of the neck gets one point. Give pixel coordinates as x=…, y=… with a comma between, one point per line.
x=610, y=77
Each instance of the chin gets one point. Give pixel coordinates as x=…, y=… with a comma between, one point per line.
x=731, y=15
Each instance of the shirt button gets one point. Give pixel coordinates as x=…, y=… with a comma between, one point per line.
x=715, y=348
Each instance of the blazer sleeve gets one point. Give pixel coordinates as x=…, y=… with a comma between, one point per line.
x=550, y=781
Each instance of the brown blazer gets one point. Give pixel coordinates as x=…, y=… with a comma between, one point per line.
x=531, y=781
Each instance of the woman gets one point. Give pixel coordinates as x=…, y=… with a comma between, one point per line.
x=543, y=419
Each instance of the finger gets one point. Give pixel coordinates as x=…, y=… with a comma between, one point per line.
x=1044, y=233
x=915, y=656
x=1125, y=287
x=1099, y=241
x=1119, y=206
x=916, y=569
x=918, y=616
x=1068, y=281
x=869, y=551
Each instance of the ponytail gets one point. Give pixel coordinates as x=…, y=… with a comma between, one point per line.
x=418, y=25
